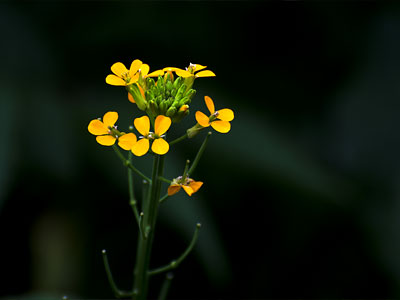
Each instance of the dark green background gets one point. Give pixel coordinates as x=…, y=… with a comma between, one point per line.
x=301, y=199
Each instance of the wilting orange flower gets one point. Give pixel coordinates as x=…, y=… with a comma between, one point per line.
x=188, y=184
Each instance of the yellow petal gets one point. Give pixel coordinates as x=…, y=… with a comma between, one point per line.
x=183, y=73
x=210, y=104
x=133, y=79
x=130, y=98
x=140, y=147
x=225, y=114
x=156, y=73
x=115, y=80
x=195, y=185
x=142, y=125
x=221, y=126
x=202, y=119
x=173, y=189
x=160, y=146
x=206, y=73
x=144, y=70
x=110, y=118
x=170, y=69
x=135, y=66
x=188, y=190
x=199, y=67
x=106, y=140
x=127, y=141
x=162, y=124
x=119, y=69
x=96, y=127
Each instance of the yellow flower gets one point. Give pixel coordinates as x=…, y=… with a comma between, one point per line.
x=219, y=120
x=159, y=146
x=127, y=141
x=188, y=184
x=106, y=132
x=122, y=76
x=144, y=72
x=191, y=70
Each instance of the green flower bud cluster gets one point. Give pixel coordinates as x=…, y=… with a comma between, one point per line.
x=168, y=97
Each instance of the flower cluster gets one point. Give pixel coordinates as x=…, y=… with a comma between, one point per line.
x=164, y=96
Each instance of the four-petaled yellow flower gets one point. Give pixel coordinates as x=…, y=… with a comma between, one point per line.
x=105, y=130
x=159, y=146
x=219, y=120
x=188, y=184
x=191, y=71
x=122, y=76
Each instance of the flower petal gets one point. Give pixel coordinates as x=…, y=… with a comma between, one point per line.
x=133, y=79
x=135, y=66
x=110, y=118
x=210, y=104
x=115, y=80
x=141, y=147
x=173, y=189
x=199, y=67
x=106, y=140
x=144, y=70
x=127, y=141
x=188, y=190
x=202, y=119
x=160, y=146
x=161, y=124
x=171, y=69
x=206, y=73
x=142, y=125
x=195, y=185
x=156, y=73
x=225, y=114
x=183, y=73
x=119, y=69
x=130, y=98
x=96, y=127
x=221, y=126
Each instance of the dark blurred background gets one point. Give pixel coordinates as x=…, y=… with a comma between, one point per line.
x=301, y=199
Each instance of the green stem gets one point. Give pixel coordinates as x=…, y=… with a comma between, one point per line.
x=174, y=264
x=128, y=164
x=165, y=287
x=132, y=200
x=165, y=180
x=141, y=276
x=179, y=139
x=163, y=198
x=117, y=292
x=199, y=154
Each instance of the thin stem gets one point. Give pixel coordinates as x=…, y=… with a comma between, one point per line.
x=145, y=191
x=132, y=200
x=179, y=139
x=140, y=287
x=166, y=285
x=199, y=154
x=174, y=264
x=163, y=198
x=128, y=164
x=117, y=292
x=186, y=168
x=165, y=180
x=141, y=229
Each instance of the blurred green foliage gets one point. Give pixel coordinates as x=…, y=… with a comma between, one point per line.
x=301, y=198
